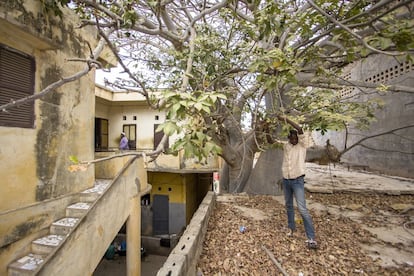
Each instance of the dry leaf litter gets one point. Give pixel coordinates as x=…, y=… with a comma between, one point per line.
x=243, y=227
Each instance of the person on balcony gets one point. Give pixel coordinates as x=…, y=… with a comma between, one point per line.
x=123, y=144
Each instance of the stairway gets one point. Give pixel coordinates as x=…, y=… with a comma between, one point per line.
x=43, y=248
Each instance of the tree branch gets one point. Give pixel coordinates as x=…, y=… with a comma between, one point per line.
x=359, y=38
x=358, y=143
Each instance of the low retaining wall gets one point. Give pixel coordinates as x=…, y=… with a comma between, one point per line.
x=184, y=257
x=155, y=246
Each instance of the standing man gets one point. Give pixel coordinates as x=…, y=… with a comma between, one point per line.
x=293, y=171
x=123, y=144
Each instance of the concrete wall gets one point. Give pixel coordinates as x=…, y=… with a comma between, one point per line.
x=267, y=174
x=184, y=257
x=110, y=168
x=391, y=153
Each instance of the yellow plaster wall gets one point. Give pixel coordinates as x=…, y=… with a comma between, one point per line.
x=170, y=184
x=17, y=167
x=185, y=189
x=36, y=185
x=25, y=152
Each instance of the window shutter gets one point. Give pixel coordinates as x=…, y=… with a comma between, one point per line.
x=16, y=81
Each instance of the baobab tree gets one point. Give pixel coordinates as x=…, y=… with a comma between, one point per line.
x=229, y=68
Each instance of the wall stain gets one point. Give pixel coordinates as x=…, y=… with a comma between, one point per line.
x=48, y=137
x=22, y=230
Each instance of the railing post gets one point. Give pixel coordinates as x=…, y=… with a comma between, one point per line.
x=133, y=259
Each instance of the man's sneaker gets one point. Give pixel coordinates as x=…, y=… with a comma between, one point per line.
x=312, y=244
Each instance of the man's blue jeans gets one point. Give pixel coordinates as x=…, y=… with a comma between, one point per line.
x=296, y=187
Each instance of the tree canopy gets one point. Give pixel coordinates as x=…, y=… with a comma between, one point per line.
x=228, y=68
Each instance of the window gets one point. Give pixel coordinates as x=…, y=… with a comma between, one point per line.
x=17, y=72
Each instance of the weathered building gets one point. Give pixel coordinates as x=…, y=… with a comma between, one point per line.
x=54, y=221
x=178, y=184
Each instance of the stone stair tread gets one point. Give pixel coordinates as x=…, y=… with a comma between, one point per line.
x=50, y=240
x=29, y=262
x=99, y=188
x=67, y=222
x=80, y=206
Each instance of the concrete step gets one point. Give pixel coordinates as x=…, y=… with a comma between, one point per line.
x=26, y=265
x=46, y=244
x=59, y=230
x=88, y=196
x=63, y=226
x=93, y=193
x=77, y=210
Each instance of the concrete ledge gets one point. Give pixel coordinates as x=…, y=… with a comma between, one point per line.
x=175, y=265
x=183, y=259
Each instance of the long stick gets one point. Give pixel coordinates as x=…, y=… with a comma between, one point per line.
x=272, y=257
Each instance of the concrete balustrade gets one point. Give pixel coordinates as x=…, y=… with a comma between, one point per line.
x=183, y=258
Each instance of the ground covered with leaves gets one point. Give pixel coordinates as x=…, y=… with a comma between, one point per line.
x=265, y=249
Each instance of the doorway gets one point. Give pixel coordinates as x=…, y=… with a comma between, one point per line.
x=160, y=208
x=131, y=134
x=101, y=134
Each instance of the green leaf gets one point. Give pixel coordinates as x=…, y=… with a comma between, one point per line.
x=74, y=159
x=198, y=106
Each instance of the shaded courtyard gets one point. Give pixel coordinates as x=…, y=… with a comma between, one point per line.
x=364, y=224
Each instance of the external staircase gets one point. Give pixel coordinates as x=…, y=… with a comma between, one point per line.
x=43, y=248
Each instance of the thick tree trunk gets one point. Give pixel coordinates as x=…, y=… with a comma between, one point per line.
x=234, y=178
x=239, y=175
x=237, y=171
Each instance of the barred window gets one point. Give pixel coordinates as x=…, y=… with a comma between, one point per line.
x=17, y=74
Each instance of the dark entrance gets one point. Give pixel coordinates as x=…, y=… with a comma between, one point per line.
x=101, y=134
x=160, y=207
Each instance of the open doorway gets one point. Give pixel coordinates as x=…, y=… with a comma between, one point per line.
x=101, y=134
